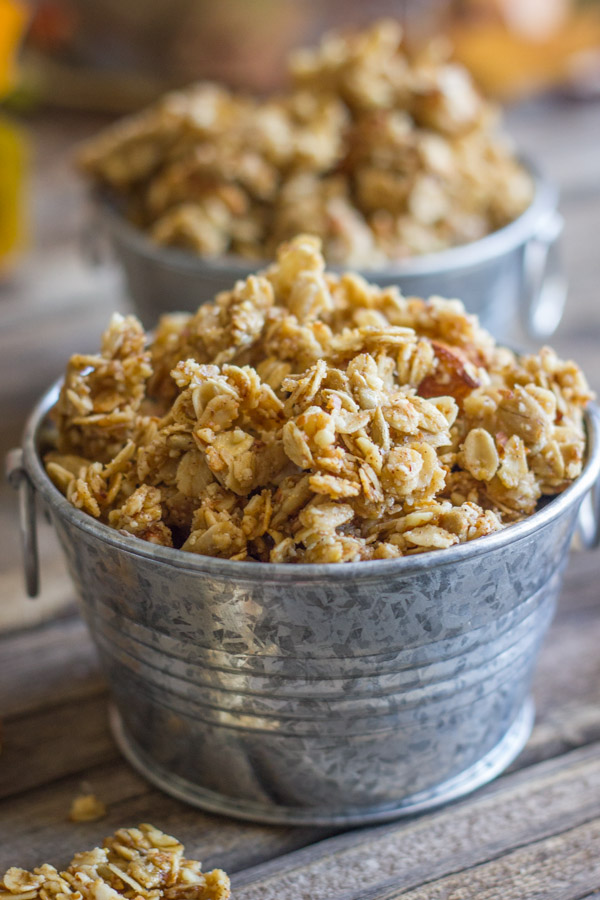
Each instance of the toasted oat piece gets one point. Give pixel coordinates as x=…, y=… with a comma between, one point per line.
x=132, y=863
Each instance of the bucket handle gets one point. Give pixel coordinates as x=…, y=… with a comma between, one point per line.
x=544, y=282
x=587, y=536
x=20, y=481
x=588, y=520
x=94, y=239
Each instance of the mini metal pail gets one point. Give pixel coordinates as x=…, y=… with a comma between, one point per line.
x=512, y=278
x=323, y=694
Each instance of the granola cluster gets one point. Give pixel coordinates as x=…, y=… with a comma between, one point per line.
x=380, y=153
x=311, y=417
x=133, y=864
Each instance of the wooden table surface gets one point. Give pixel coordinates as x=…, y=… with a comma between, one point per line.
x=533, y=833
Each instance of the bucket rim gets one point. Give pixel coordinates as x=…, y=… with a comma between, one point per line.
x=462, y=256
x=282, y=573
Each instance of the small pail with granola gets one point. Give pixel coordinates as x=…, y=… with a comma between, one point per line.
x=318, y=530
x=391, y=157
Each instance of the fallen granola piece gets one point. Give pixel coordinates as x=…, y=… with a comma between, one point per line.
x=86, y=808
x=133, y=863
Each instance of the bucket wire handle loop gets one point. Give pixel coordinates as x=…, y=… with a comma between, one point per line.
x=94, y=243
x=588, y=518
x=544, y=282
x=588, y=521
x=20, y=481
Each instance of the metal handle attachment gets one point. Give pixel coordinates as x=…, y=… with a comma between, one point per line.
x=544, y=282
x=588, y=520
x=19, y=479
x=94, y=242
x=587, y=532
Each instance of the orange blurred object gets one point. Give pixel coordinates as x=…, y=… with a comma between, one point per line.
x=54, y=24
x=13, y=145
x=13, y=19
x=518, y=47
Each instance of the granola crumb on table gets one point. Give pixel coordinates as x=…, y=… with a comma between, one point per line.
x=311, y=417
x=86, y=808
x=139, y=863
x=382, y=153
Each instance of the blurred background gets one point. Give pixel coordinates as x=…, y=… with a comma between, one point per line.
x=113, y=56
x=67, y=67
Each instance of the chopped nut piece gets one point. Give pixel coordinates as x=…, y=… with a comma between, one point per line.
x=364, y=425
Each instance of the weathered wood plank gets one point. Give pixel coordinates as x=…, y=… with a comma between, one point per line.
x=50, y=744
x=526, y=808
x=559, y=868
x=516, y=810
x=566, y=687
x=46, y=666
x=34, y=827
x=580, y=589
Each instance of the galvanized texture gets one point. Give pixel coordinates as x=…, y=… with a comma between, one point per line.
x=319, y=693
x=509, y=278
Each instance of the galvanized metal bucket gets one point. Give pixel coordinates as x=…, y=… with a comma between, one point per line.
x=321, y=694
x=512, y=279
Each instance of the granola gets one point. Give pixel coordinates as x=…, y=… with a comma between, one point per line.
x=384, y=154
x=86, y=808
x=139, y=863
x=306, y=416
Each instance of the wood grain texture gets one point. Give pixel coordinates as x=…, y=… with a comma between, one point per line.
x=581, y=588
x=566, y=687
x=34, y=827
x=48, y=666
x=49, y=744
x=559, y=868
x=525, y=809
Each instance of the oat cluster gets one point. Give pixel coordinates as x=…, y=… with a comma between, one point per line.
x=312, y=417
x=133, y=864
x=381, y=154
